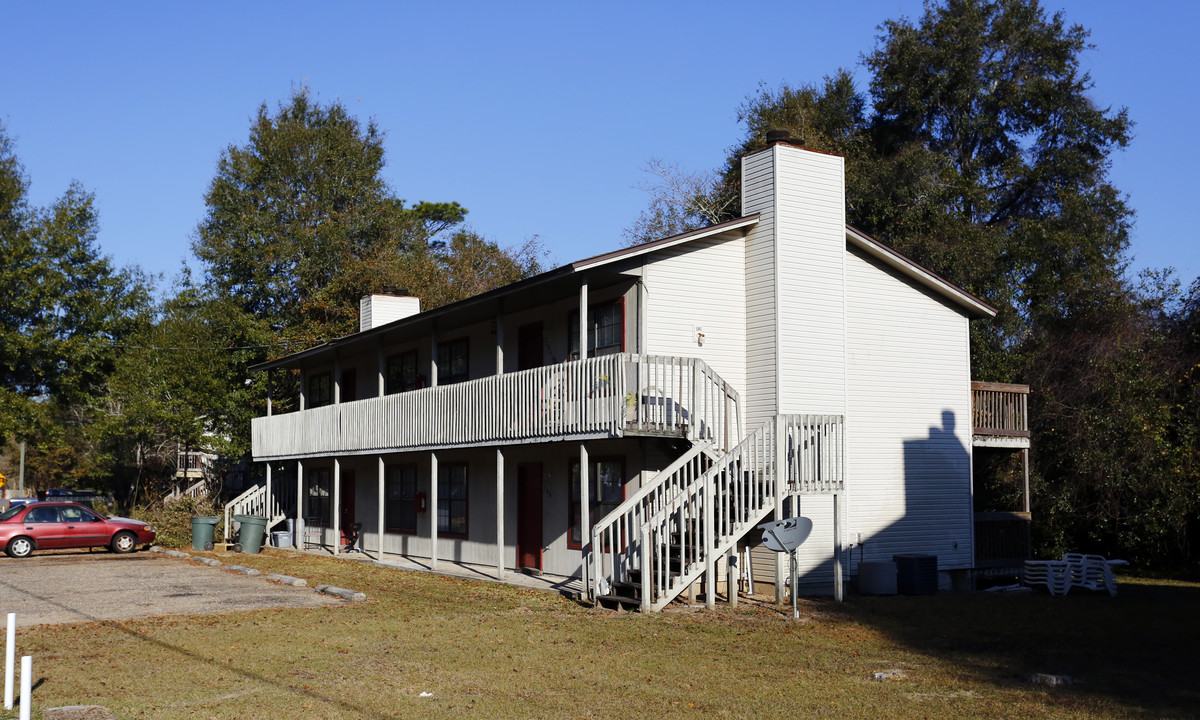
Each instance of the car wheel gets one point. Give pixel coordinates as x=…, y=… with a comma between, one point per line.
x=19, y=547
x=124, y=542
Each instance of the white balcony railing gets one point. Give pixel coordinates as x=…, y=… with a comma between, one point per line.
x=608, y=396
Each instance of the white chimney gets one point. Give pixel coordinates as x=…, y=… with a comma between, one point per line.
x=380, y=309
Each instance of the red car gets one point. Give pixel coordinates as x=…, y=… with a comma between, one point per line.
x=51, y=525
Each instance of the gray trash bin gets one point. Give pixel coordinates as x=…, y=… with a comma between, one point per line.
x=281, y=538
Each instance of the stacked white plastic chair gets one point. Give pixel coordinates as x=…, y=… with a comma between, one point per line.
x=1054, y=574
x=1091, y=572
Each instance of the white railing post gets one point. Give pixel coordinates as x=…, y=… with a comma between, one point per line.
x=26, y=686
x=10, y=649
x=709, y=544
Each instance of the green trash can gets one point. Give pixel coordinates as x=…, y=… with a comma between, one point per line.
x=202, y=531
x=250, y=536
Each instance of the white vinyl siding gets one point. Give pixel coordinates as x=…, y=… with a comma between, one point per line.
x=699, y=284
x=811, y=240
x=758, y=196
x=908, y=420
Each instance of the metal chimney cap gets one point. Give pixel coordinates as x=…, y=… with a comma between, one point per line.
x=778, y=135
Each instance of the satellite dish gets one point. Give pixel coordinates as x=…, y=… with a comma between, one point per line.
x=786, y=535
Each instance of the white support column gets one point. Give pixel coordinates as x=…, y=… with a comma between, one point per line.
x=433, y=510
x=335, y=511
x=433, y=366
x=337, y=377
x=499, y=514
x=585, y=520
x=299, y=505
x=270, y=390
x=303, y=390
x=500, y=343
x=379, y=520
x=583, y=320
x=269, y=505
x=381, y=361
x=780, y=448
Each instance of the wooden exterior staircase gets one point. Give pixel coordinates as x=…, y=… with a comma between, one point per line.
x=254, y=501
x=671, y=533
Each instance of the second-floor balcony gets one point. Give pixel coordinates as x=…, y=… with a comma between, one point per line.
x=1000, y=415
x=604, y=397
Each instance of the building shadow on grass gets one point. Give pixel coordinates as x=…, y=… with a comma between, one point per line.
x=1137, y=650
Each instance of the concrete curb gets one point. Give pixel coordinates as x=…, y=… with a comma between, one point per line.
x=176, y=554
x=343, y=593
x=243, y=570
x=211, y=562
x=157, y=548
x=287, y=580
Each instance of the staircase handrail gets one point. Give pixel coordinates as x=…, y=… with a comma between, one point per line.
x=251, y=498
x=709, y=509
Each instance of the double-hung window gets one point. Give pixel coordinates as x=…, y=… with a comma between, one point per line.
x=606, y=329
x=320, y=391
x=606, y=490
x=319, y=488
x=452, y=362
x=452, y=500
x=401, y=373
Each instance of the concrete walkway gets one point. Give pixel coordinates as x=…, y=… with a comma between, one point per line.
x=571, y=587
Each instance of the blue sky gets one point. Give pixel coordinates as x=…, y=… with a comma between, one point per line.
x=537, y=117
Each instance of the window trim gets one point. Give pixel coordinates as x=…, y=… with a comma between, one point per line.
x=593, y=479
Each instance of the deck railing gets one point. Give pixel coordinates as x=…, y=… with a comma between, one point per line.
x=1001, y=539
x=607, y=396
x=1000, y=409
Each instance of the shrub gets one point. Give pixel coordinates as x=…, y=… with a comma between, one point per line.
x=173, y=521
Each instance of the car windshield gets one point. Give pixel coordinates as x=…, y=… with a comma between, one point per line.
x=10, y=512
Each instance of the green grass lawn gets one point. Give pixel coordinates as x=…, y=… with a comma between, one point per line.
x=487, y=650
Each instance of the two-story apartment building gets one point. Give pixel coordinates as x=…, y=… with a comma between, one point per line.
x=631, y=417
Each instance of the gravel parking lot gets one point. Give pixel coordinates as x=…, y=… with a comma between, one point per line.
x=68, y=586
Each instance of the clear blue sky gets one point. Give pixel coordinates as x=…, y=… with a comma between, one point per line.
x=537, y=117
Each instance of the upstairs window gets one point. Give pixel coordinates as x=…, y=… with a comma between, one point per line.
x=452, y=362
x=606, y=329
x=320, y=391
x=401, y=374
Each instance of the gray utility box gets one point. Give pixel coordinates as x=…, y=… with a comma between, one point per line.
x=916, y=574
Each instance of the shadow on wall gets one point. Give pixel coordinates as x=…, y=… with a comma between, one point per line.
x=937, y=517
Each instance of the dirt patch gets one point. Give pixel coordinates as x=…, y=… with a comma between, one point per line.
x=82, y=586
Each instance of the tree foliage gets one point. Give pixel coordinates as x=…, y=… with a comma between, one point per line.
x=978, y=151
x=300, y=225
x=63, y=313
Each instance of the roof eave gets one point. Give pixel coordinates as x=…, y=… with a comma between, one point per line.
x=889, y=257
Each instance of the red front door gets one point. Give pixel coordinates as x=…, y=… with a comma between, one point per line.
x=346, y=518
x=529, y=515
